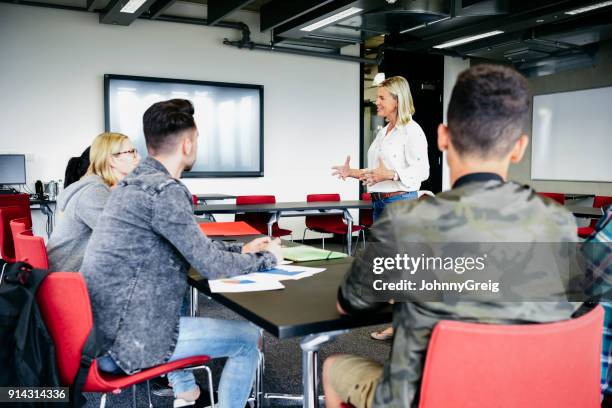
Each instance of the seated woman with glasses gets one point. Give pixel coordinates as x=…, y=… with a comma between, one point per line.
x=112, y=157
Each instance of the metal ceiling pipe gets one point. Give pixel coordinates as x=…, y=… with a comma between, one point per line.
x=286, y=50
x=245, y=42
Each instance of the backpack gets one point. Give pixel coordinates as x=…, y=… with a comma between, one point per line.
x=27, y=353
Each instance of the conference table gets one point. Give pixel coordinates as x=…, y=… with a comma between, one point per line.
x=585, y=212
x=292, y=209
x=305, y=308
x=214, y=197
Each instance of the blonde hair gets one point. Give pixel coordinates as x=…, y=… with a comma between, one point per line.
x=398, y=87
x=102, y=148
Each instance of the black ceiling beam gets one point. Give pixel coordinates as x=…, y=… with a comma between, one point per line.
x=112, y=13
x=480, y=8
x=508, y=23
x=158, y=8
x=278, y=12
x=219, y=9
x=90, y=5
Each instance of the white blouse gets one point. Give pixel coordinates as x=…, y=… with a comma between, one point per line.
x=403, y=150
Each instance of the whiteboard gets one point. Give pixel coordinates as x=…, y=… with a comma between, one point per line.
x=572, y=136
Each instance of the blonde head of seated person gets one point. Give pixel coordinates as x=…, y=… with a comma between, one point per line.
x=112, y=157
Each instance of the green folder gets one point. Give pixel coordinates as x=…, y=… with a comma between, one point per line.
x=305, y=253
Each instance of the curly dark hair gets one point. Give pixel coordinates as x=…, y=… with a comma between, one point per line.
x=488, y=110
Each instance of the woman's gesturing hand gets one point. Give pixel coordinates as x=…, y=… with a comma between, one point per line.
x=344, y=170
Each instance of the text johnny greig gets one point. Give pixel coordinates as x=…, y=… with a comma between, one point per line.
x=412, y=265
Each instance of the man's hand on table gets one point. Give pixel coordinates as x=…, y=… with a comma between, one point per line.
x=264, y=244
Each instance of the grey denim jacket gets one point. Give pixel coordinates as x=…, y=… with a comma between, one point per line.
x=137, y=260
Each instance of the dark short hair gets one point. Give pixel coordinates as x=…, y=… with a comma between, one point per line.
x=163, y=122
x=488, y=110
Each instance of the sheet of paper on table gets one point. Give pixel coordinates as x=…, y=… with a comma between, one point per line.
x=262, y=281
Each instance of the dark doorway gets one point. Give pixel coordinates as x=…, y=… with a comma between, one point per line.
x=425, y=74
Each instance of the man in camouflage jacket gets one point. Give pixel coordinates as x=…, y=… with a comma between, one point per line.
x=486, y=115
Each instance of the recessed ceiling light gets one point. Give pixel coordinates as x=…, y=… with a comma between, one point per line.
x=338, y=16
x=540, y=21
x=589, y=8
x=468, y=39
x=131, y=6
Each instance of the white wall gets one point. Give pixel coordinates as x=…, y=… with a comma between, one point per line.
x=51, y=79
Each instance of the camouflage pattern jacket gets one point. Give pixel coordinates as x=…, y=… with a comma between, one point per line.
x=483, y=209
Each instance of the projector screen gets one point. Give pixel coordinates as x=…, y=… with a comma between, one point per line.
x=572, y=136
x=229, y=118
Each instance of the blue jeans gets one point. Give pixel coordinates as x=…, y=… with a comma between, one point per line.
x=216, y=338
x=379, y=205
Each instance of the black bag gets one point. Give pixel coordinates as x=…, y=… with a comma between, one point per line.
x=27, y=353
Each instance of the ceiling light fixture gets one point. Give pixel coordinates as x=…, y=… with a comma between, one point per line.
x=468, y=39
x=378, y=79
x=338, y=16
x=131, y=6
x=588, y=8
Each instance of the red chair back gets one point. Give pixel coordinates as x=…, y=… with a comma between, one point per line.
x=18, y=226
x=321, y=223
x=365, y=216
x=7, y=246
x=259, y=221
x=65, y=307
x=255, y=199
x=507, y=366
x=17, y=200
x=558, y=197
x=32, y=250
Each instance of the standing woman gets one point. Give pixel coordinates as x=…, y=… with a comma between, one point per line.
x=397, y=158
x=112, y=156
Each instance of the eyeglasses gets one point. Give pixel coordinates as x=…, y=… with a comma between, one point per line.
x=133, y=152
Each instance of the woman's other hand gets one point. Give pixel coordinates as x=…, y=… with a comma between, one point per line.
x=380, y=173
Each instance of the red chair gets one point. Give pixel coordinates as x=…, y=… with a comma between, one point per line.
x=65, y=307
x=7, y=214
x=31, y=249
x=598, y=202
x=558, y=197
x=366, y=218
x=17, y=226
x=328, y=224
x=259, y=221
x=507, y=366
x=17, y=200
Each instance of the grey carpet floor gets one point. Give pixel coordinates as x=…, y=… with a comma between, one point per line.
x=283, y=360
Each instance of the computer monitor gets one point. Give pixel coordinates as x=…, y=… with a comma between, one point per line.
x=12, y=169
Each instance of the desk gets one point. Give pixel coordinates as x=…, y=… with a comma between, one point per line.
x=214, y=197
x=43, y=206
x=296, y=312
x=292, y=209
x=585, y=212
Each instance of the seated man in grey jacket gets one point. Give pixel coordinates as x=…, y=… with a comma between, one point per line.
x=136, y=267
x=488, y=109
